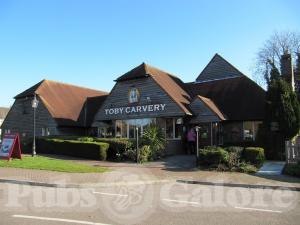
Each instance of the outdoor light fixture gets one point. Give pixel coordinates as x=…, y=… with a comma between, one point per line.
x=197, y=144
x=34, y=105
x=137, y=144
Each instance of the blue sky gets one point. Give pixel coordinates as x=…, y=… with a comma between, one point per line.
x=91, y=43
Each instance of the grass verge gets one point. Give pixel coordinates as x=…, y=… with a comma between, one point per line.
x=46, y=163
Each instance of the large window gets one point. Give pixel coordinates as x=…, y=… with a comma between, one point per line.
x=172, y=127
x=250, y=130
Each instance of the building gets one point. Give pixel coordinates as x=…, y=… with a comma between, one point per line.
x=63, y=109
x=225, y=104
x=3, y=113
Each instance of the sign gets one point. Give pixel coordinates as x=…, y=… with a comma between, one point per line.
x=135, y=109
x=10, y=147
x=133, y=95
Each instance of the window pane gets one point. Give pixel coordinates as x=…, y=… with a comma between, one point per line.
x=169, y=128
x=248, y=130
x=178, y=128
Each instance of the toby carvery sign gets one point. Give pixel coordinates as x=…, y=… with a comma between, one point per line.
x=135, y=109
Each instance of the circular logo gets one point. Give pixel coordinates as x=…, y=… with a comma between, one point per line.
x=132, y=200
x=133, y=95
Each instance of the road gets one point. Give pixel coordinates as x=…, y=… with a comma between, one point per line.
x=147, y=204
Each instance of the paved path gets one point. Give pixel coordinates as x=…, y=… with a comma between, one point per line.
x=271, y=168
x=172, y=168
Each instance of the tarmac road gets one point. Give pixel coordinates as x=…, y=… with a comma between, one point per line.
x=147, y=204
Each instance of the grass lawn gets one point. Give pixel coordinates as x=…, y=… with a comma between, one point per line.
x=45, y=163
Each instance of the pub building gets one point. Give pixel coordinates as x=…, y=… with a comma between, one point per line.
x=226, y=105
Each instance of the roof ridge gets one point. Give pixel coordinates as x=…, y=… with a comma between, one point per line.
x=72, y=85
x=155, y=68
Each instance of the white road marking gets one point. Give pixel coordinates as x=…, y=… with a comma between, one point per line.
x=109, y=194
x=179, y=201
x=256, y=209
x=58, y=220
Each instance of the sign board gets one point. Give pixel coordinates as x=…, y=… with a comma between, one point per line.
x=10, y=147
x=135, y=109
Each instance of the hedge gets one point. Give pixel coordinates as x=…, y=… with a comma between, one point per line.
x=117, y=147
x=212, y=156
x=254, y=155
x=90, y=150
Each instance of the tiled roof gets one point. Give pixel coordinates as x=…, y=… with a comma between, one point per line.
x=238, y=98
x=211, y=105
x=218, y=68
x=65, y=102
x=171, y=84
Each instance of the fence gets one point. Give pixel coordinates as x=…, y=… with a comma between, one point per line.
x=292, y=151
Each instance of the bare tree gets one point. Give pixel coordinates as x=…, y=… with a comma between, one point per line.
x=278, y=44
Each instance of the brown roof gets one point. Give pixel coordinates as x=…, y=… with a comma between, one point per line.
x=171, y=84
x=3, y=112
x=211, y=105
x=238, y=98
x=64, y=102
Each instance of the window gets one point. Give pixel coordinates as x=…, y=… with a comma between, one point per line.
x=250, y=129
x=7, y=131
x=169, y=128
x=174, y=127
x=178, y=127
x=45, y=132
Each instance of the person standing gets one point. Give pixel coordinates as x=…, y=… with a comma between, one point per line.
x=191, y=138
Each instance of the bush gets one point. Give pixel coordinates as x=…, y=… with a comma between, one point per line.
x=144, y=154
x=117, y=147
x=90, y=150
x=292, y=170
x=212, y=156
x=26, y=145
x=234, y=156
x=247, y=168
x=154, y=137
x=254, y=155
x=85, y=139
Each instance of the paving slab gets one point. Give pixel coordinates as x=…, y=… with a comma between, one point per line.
x=272, y=168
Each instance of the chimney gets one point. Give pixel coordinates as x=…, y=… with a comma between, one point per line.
x=287, y=69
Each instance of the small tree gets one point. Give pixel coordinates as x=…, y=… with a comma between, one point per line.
x=283, y=109
x=155, y=138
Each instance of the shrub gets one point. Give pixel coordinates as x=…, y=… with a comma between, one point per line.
x=247, y=168
x=26, y=145
x=144, y=154
x=90, y=150
x=154, y=137
x=212, y=156
x=117, y=147
x=85, y=139
x=234, y=156
x=254, y=155
x=292, y=170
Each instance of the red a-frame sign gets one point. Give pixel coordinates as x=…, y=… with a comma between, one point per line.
x=10, y=147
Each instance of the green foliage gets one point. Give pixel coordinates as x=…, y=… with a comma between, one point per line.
x=233, y=160
x=283, y=107
x=247, y=168
x=254, y=155
x=292, y=170
x=85, y=139
x=117, y=147
x=144, y=154
x=91, y=150
x=212, y=156
x=154, y=137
